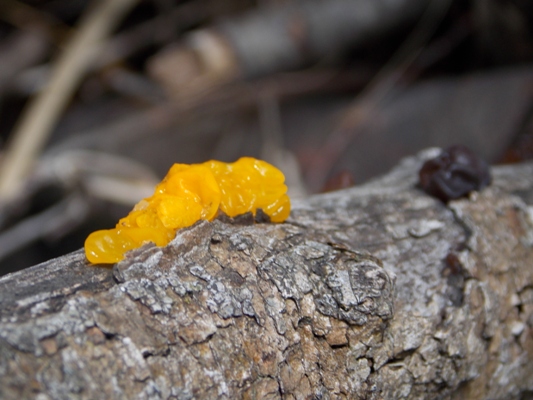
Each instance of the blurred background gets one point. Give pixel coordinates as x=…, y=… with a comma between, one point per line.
x=98, y=98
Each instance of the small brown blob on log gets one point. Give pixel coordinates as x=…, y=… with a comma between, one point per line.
x=455, y=173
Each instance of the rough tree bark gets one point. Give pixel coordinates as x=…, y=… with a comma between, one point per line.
x=377, y=292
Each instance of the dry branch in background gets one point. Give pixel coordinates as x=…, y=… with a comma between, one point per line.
x=43, y=112
x=278, y=38
x=375, y=292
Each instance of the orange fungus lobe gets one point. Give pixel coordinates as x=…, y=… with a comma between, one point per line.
x=189, y=193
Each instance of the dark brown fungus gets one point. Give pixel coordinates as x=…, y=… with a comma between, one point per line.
x=456, y=172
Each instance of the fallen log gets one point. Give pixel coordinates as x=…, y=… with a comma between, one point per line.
x=375, y=292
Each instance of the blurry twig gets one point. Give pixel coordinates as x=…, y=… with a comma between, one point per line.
x=279, y=36
x=380, y=88
x=40, y=116
x=221, y=100
x=31, y=19
x=14, y=60
x=103, y=176
x=106, y=176
x=157, y=30
x=272, y=148
x=56, y=221
x=133, y=85
x=442, y=46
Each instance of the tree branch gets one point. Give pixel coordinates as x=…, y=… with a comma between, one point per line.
x=377, y=292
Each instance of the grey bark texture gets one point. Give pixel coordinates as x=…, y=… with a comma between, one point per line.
x=376, y=292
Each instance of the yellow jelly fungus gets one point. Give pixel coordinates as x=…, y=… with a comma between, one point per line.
x=187, y=194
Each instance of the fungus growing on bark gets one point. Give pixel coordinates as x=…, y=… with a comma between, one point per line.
x=190, y=193
x=454, y=173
